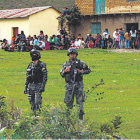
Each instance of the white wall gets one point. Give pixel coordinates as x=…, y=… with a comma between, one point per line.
x=6, y=26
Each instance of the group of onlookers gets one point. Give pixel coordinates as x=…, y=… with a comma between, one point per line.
x=128, y=39
x=121, y=39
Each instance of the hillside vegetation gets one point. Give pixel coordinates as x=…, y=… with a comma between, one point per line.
x=15, y=4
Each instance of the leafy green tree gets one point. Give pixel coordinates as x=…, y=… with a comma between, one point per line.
x=72, y=19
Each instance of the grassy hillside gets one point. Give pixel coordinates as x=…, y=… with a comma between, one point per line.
x=120, y=73
x=12, y=4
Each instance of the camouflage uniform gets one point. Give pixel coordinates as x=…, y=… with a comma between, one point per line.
x=74, y=84
x=35, y=83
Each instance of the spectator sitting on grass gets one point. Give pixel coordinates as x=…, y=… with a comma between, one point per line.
x=21, y=46
x=31, y=43
x=29, y=47
x=42, y=45
x=77, y=44
x=57, y=41
x=91, y=44
x=52, y=42
x=5, y=45
x=36, y=42
x=47, y=45
x=12, y=46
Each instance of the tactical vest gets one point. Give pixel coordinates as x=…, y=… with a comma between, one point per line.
x=69, y=77
x=35, y=73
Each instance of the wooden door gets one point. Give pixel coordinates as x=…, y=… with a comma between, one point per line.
x=15, y=31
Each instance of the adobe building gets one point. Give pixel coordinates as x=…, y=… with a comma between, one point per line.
x=30, y=20
x=111, y=14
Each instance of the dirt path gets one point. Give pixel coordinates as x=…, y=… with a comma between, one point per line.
x=125, y=51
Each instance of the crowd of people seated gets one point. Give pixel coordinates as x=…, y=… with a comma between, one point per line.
x=121, y=39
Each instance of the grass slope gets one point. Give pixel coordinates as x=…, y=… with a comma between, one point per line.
x=14, y=4
x=119, y=71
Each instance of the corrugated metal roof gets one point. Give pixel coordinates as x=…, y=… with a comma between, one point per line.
x=20, y=13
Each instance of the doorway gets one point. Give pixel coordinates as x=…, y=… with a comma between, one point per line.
x=128, y=26
x=14, y=31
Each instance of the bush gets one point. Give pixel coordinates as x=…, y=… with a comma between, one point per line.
x=108, y=130
x=58, y=123
x=8, y=118
x=54, y=123
x=3, y=112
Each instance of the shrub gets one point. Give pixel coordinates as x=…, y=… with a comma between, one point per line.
x=54, y=123
x=59, y=123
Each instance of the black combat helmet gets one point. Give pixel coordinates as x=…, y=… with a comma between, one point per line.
x=33, y=51
x=72, y=51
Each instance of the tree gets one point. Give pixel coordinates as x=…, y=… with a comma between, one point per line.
x=72, y=19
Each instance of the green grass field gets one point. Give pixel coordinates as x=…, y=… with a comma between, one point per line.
x=120, y=72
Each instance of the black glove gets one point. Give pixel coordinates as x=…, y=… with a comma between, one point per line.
x=25, y=91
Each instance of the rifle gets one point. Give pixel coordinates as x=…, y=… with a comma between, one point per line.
x=75, y=73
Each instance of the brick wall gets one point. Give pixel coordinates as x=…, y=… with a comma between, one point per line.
x=86, y=6
x=122, y=6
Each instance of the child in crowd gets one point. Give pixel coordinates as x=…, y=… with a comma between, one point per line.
x=117, y=41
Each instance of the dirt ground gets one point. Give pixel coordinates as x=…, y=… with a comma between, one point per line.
x=125, y=51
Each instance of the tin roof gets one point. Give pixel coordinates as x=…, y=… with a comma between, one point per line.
x=20, y=13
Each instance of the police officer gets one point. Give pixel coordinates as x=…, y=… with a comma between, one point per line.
x=36, y=80
x=73, y=71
